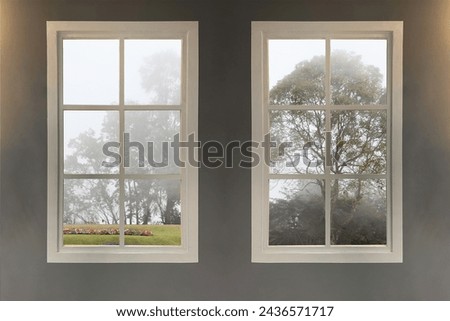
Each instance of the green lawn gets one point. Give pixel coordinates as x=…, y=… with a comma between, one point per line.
x=162, y=235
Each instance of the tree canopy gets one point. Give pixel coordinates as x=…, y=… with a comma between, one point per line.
x=359, y=146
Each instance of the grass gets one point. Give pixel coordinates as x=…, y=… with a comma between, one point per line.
x=162, y=235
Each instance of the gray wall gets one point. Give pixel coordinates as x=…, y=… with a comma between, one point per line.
x=225, y=271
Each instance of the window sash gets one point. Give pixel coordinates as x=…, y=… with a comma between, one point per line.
x=188, y=176
x=262, y=32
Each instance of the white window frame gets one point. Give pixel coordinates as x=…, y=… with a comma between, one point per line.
x=188, y=107
x=261, y=33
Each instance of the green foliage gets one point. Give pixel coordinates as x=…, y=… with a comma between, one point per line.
x=360, y=142
x=297, y=221
x=160, y=77
x=304, y=86
x=358, y=226
x=352, y=83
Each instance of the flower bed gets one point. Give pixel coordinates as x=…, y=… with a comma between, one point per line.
x=104, y=231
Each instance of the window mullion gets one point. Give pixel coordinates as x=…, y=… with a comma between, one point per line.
x=327, y=74
x=121, y=139
x=328, y=129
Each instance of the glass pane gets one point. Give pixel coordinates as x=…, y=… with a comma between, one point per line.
x=360, y=143
x=297, y=212
x=358, y=211
x=148, y=148
x=297, y=72
x=91, y=72
x=152, y=212
x=299, y=137
x=85, y=136
x=152, y=72
x=358, y=72
x=91, y=212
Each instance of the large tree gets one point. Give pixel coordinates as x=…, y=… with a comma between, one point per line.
x=358, y=146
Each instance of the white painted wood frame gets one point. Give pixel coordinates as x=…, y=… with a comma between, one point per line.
x=187, y=32
x=262, y=32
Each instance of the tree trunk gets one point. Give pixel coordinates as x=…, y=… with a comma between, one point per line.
x=146, y=217
x=136, y=202
x=170, y=214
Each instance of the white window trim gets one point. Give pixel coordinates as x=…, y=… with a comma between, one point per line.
x=188, y=251
x=261, y=251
